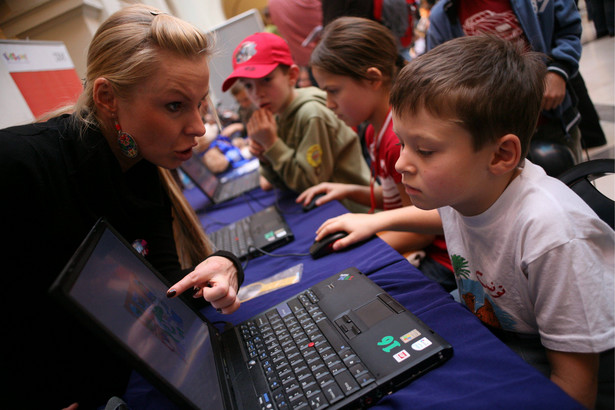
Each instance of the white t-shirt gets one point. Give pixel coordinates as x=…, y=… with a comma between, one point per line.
x=538, y=261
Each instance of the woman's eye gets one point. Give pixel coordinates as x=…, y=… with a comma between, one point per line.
x=174, y=106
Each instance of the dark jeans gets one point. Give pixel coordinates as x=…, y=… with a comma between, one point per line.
x=601, y=12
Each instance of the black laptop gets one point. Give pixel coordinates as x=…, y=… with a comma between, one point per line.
x=215, y=188
x=264, y=230
x=342, y=343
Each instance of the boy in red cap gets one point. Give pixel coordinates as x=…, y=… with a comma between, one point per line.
x=298, y=140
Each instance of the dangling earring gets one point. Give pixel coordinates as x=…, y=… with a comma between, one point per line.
x=127, y=144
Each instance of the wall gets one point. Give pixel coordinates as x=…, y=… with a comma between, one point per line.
x=74, y=22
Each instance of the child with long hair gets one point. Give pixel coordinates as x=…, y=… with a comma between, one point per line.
x=356, y=62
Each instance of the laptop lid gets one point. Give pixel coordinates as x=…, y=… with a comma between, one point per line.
x=202, y=177
x=115, y=292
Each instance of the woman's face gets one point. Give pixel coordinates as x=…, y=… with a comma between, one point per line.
x=162, y=114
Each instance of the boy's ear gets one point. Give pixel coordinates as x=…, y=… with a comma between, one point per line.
x=104, y=98
x=293, y=74
x=506, y=155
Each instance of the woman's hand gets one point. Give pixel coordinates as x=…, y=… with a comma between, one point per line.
x=358, y=226
x=214, y=279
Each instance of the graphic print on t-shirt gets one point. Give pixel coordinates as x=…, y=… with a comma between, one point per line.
x=480, y=295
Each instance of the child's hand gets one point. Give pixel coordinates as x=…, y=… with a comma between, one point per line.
x=256, y=149
x=331, y=190
x=265, y=184
x=358, y=226
x=262, y=128
x=555, y=91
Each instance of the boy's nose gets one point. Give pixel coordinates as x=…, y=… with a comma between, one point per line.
x=404, y=164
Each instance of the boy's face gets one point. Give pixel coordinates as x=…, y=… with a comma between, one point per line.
x=439, y=165
x=274, y=91
x=243, y=99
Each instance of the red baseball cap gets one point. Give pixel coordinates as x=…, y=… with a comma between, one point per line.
x=258, y=55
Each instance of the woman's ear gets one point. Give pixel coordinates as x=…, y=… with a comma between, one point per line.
x=104, y=98
x=506, y=155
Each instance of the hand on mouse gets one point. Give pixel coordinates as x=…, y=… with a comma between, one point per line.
x=331, y=191
x=358, y=226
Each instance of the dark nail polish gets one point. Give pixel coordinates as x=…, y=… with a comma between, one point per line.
x=171, y=293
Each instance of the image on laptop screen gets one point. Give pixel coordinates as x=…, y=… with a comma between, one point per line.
x=131, y=303
x=200, y=175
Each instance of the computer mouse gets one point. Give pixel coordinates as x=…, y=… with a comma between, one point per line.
x=325, y=245
x=312, y=204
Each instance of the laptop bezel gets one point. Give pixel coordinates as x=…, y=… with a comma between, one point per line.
x=60, y=291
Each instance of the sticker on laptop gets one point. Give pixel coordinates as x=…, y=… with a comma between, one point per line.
x=401, y=356
x=408, y=337
x=280, y=233
x=270, y=236
x=345, y=276
x=421, y=344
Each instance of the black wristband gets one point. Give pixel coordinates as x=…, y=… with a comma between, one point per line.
x=231, y=256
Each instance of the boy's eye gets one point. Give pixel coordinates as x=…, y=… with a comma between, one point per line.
x=174, y=106
x=423, y=153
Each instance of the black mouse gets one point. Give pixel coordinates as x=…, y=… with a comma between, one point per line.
x=312, y=204
x=325, y=245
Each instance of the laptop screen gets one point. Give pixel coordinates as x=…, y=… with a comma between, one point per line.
x=131, y=305
x=200, y=175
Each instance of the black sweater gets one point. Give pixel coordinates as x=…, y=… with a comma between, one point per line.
x=55, y=184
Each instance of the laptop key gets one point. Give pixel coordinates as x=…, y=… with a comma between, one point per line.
x=333, y=393
x=365, y=379
x=346, y=382
x=318, y=401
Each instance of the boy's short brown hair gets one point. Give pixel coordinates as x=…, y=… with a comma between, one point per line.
x=489, y=86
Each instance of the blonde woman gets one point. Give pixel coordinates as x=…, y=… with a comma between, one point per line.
x=137, y=118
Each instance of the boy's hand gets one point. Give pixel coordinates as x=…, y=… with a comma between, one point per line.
x=358, y=226
x=555, y=91
x=256, y=149
x=262, y=128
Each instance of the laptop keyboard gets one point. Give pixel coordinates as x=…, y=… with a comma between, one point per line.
x=235, y=238
x=307, y=363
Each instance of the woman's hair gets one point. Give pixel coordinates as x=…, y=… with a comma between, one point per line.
x=487, y=85
x=126, y=51
x=351, y=45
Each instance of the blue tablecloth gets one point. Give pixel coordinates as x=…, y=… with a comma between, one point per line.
x=483, y=372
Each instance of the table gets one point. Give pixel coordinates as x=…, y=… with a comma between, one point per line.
x=483, y=372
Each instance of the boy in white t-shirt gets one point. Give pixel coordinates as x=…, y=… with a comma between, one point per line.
x=531, y=259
